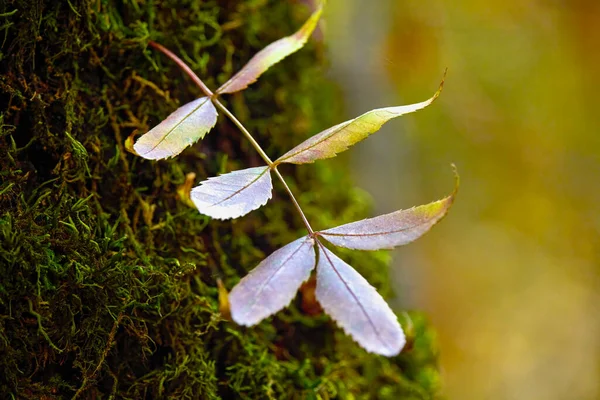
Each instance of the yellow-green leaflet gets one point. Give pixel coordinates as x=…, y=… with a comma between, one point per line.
x=340, y=137
x=271, y=55
x=185, y=126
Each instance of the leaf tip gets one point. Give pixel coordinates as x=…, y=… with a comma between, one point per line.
x=241, y=318
x=440, y=87
x=456, y=181
x=311, y=23
x=383, y=349
x=140, y=149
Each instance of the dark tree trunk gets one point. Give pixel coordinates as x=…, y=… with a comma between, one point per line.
x=108, y=280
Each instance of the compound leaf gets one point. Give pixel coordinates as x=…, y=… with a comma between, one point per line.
x=390, y=230
x=356, y=306
x=234, y=194
x=271, y=55
x=185, y=126
x=330, y=142
x=273, y=283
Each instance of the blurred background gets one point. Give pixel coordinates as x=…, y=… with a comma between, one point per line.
x=511, y=277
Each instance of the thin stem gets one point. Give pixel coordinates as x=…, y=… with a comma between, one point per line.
x=242, y=128
x=287, y=188
x=213, y=97
x=183, y=66
x=267, y=160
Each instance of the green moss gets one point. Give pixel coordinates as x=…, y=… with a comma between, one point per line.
x=108, y=285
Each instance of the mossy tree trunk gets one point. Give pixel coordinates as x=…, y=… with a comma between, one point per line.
x=108, y=280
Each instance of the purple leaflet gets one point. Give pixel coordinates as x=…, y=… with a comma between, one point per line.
x=356, y=306
x=185, y=126
x=271, y=55
x=389, y=230
x=273, y=283
x=234, y=194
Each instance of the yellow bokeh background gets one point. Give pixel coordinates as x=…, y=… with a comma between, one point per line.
x=511, y=278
